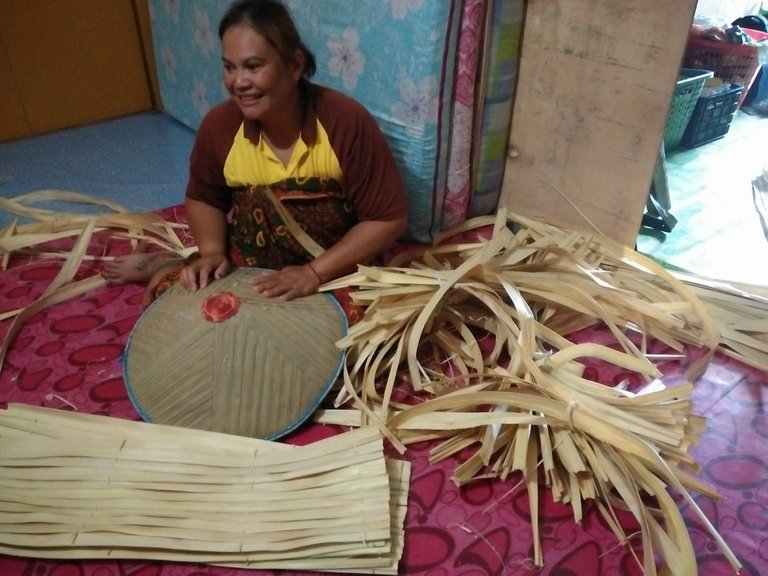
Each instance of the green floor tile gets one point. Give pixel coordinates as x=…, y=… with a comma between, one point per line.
x=719, y=233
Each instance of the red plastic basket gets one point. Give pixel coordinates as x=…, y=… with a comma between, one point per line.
x=734, y=63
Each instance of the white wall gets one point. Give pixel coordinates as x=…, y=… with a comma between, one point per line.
x=725, y=11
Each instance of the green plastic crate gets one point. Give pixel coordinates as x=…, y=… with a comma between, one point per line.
x=689, y=85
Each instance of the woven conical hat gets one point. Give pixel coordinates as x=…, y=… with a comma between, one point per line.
x=258, y=373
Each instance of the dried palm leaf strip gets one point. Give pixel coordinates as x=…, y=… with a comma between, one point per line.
x=50, y=225
x=135, y=490
x=528, y=290
x=425, y=313
x=19, y=204
x=566, y=425
x=741, y=311
x=140, y=229
x=71, y=290
x=705, y=334
x=137, y=228
x=61, y=288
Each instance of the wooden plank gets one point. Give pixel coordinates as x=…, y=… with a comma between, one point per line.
x=594, y=89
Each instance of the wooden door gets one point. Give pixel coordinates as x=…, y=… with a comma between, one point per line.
x=595, y=85
x=68, y=63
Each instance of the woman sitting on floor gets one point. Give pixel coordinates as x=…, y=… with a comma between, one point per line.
x=285, y=175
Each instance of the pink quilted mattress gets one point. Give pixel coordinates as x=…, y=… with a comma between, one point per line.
x=69, y=357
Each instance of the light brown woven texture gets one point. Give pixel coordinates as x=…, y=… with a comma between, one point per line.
x=477, y=327
x=255, y=374
x=83, y=486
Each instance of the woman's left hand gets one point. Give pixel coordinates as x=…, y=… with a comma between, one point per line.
x=289, y=283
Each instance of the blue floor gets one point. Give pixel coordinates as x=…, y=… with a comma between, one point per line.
x=138, y=161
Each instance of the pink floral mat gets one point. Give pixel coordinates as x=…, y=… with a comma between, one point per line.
x=70, y=357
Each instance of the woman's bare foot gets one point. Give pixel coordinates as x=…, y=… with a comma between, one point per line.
x=162, y=274
x=138, y=268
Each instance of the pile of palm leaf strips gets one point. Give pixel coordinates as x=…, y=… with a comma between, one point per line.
x=524, y=406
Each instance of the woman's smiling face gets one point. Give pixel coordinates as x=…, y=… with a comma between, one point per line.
x=255, y=74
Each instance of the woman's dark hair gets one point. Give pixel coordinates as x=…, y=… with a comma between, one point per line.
x=271, y=19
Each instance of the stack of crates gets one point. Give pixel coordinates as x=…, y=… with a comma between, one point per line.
x=736, y=65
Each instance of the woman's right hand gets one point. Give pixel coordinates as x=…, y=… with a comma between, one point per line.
x=197, y=274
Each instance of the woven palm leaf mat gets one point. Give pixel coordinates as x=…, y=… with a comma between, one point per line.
x=227, y=359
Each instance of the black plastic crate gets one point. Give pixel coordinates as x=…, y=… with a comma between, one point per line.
x=711, y=118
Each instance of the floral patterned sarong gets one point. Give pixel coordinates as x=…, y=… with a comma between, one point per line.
x=260, y=238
